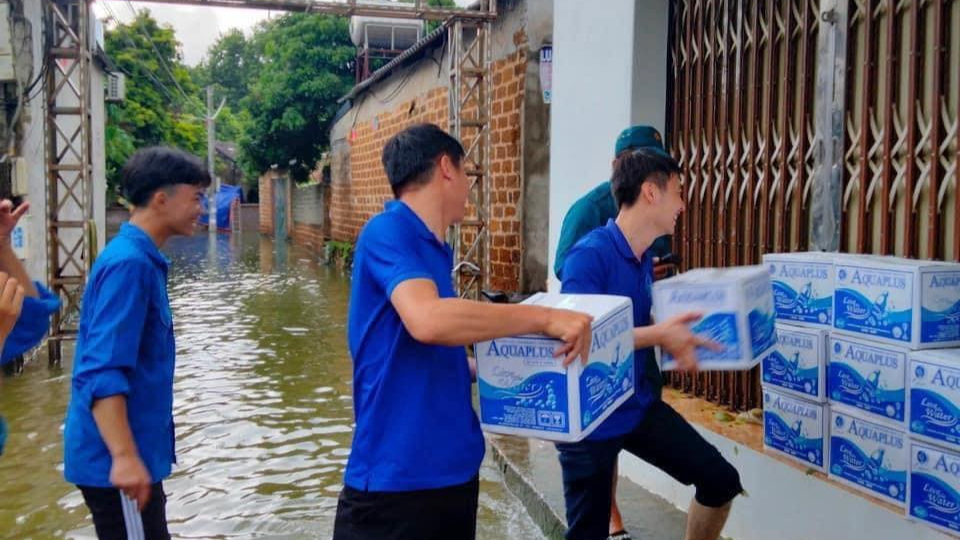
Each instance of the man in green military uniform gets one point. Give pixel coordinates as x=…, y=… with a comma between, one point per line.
x=597, y=206
x=592, y=211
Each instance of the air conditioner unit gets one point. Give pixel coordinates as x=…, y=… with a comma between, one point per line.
x=115, y=90
x=19, y=183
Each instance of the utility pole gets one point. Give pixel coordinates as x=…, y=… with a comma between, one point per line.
x=211, y=141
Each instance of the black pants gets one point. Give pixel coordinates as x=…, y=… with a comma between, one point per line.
x=432, y=514
x=663, y=439
x=115, y=515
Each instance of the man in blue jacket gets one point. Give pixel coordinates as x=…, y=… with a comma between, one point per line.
x=38, y=302
x=118, y=439
x=25, y=306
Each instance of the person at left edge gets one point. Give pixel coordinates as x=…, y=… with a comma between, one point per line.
x=25, y=305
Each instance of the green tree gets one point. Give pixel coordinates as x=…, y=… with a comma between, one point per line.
x=161, y=104
x=232, y=123
x=305, y=66
x=229, y=66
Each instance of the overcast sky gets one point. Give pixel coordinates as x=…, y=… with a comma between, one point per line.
x=197, y=27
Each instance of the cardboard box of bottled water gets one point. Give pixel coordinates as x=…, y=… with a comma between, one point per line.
x=795, y=428
x=737, y=309
x=869, y=376
x=797, y=365
x=900, y=301
x=934, y=396
x=934, y=487
x=525, y=390
x=868, y=456
x=802, y=287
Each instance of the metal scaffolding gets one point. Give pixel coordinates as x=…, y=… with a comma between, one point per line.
x=470, y=96
x=69, y=163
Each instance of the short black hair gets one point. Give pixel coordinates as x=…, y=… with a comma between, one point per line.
x=632, y=169
x=158, y=167
x=410, y=156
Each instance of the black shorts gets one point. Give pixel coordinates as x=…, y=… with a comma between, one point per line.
x=115, y=516
x=663, y=439
x=432, y=514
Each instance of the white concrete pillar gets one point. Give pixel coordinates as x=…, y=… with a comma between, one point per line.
x=609, y=72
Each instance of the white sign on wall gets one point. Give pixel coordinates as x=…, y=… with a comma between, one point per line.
x=546, y=72
x=18, y=238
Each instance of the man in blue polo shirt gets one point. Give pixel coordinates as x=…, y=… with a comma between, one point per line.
x=593, y=211
x=25, y=306
x=118, y=438
x=417, y=446
x=616, y=259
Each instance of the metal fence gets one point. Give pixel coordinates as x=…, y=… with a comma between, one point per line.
x=745, y=93
x=903, y=86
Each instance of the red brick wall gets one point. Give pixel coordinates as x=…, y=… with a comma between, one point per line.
x=355, y=202
x=506, y=237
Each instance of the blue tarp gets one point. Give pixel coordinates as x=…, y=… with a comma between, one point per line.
x=224, y=199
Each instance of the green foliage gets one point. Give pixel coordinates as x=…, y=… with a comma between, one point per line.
x=281, y=86
x=339, y=252
x=232, y=123
x=161, y=105
x=305, y=66
x=230, y=66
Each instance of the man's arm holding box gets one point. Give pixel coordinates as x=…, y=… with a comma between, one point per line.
x=674, y=336
x=584, y=274
x=453, y=321
x=409, y=283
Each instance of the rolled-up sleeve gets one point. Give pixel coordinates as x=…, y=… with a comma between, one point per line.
x=32, y=325
x=118, y=309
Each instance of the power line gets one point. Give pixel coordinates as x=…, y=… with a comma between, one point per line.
x=156, y=51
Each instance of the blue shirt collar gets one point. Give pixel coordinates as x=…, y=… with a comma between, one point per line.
x=419, y=227
x=142, y=239
x=623, y=246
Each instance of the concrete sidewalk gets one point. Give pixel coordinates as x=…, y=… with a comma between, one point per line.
x=531, y=471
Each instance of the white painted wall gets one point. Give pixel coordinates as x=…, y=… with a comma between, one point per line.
x=784, y=503
x=609, y=72
x=33, y=151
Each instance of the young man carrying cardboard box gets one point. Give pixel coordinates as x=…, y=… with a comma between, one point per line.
x=416, y=453
x=617, y=260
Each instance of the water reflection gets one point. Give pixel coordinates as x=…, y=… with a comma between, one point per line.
x=262, y=403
